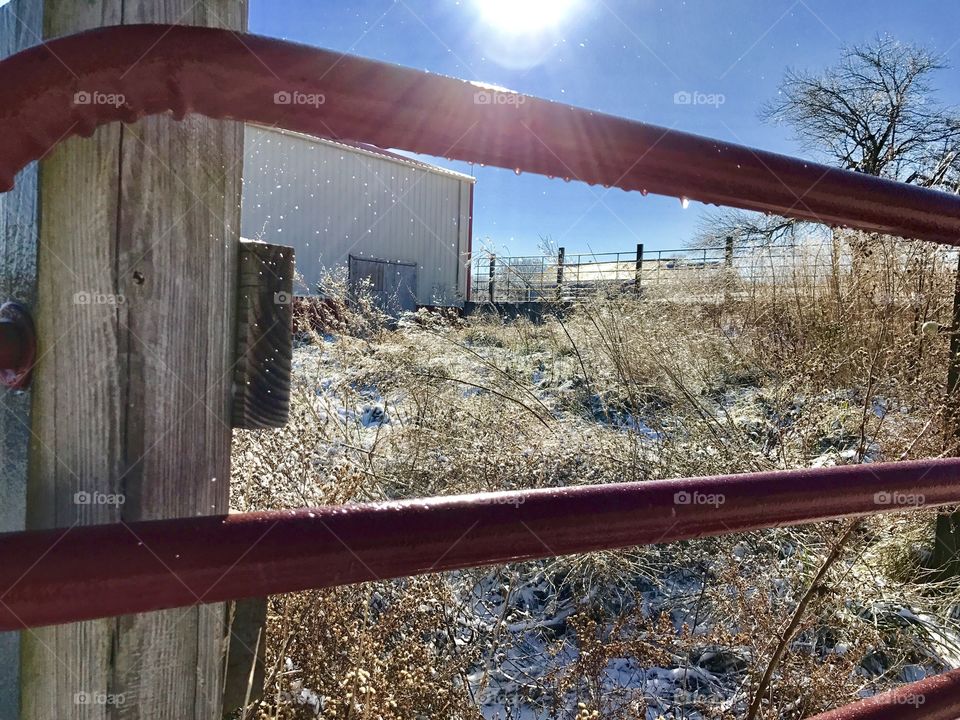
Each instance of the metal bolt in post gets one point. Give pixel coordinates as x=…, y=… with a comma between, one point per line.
x=18, y=346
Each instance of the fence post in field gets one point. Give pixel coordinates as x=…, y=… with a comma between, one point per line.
x=728, y=266
x=493, y=271
x=136, y=288
x=638, y=269
x=560, y=254
x=21, y=23
x=953, y=372
x=508, y=272
x=835, y=268
x=947, y=534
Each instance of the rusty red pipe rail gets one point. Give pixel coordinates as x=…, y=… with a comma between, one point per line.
x=935, y=698
x=65, y=575
x=69, y=86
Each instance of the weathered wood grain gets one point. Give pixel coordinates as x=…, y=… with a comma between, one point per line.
x=20, y=27
x=137, y=278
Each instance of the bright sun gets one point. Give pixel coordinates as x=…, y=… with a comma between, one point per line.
x=524, y=16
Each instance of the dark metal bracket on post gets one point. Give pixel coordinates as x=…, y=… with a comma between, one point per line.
x=261, y=382
x=246, y=653
x=261, y=400
x=18, y=346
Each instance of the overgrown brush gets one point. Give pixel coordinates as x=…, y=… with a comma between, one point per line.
x=826, y=367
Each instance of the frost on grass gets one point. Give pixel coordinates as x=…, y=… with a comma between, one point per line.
x=618, y=389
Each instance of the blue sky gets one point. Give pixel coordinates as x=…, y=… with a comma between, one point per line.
x=626, y=57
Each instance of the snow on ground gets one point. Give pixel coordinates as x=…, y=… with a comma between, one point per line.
x=527, y=627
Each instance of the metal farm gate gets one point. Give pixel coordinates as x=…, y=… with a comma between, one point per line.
x=163, y=550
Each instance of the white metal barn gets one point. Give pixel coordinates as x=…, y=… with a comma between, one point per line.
x=402, y=225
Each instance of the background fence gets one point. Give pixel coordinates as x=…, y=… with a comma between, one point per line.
x=692, y=273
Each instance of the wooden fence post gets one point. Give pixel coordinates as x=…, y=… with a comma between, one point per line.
x=137, y=274
x=493, y=273
x=946, y=546
x=638, y=270
x=20, y=26
x=728, y=276
x=560, y=255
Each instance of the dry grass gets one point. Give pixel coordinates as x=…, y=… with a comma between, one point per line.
x=818, y=369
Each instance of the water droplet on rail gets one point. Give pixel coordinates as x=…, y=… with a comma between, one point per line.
x=517, y=171
x=684, y=202
x=566, y=179
x=644, y=192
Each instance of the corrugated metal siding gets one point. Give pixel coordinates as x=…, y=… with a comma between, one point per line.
x=329, y=201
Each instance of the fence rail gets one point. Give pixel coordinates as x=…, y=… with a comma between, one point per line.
x=105, y=570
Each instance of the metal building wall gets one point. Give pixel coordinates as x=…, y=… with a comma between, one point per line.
x=330, y=201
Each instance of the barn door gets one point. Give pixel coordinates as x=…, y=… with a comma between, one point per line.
x=392, y=284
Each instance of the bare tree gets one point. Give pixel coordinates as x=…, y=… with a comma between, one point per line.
x=874, y=112
x=747, y=228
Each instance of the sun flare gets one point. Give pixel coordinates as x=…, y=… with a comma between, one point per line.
x=520, y=17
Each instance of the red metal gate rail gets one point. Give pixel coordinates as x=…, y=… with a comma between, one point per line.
x=64, y=575
x=936, y=698
x=71, y=85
